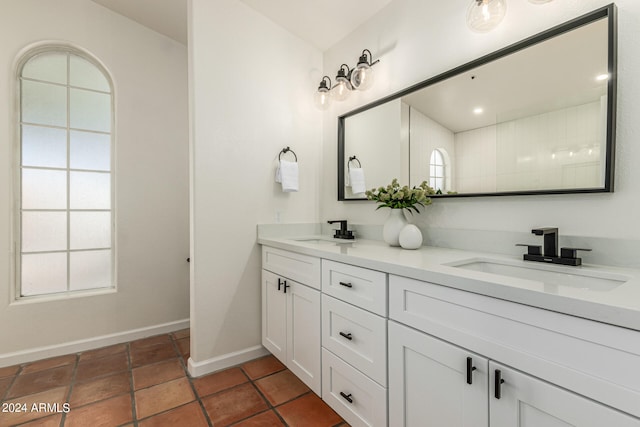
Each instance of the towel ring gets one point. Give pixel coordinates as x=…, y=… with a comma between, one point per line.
x=285, y=150
x=352, y=158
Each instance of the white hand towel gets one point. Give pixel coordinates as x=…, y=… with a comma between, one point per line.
x=288, y=176
x=356, y=180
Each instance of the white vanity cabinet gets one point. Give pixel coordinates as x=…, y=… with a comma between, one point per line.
x=383, y=349
x=526, y=360
x=291, y=312
x=354, y=341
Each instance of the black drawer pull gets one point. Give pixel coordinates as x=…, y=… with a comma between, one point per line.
x=498, y=384
x=347, y=397
x=279, y=283
x=347, y=285
x=470, y=369
x=347, y=336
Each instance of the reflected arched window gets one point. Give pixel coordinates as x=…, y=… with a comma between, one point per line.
x=65, y=179
x=437, y=170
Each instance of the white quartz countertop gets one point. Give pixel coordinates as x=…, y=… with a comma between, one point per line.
x=617, y=305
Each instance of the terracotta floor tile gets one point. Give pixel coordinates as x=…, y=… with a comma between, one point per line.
x=181, y=334
x=41, y=381
x=9, y=371
x=281, y=387
x=54, y=362
x=265, y=419
x=149, y=375
x=106, y=413
x=190, y=415
x=234, y=404
x=219, y=381
x=161, y=397
x=56, y=395
x=4, y=385
x=308, y=411
x=90, y=369
x=264, y=366
x=100, y=389
x=50, y=421
x=184, y=345
x=152, y=354
x=103, y=352
x=150, y=341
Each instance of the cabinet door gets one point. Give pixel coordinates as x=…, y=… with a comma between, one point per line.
x=303, y=334
x=428, y=382
x=526, y=401
x=274, y=316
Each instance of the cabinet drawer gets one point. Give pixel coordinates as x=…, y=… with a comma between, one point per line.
x=357, y=398
x=357, y=336
x=359, y=286
x=301, y=268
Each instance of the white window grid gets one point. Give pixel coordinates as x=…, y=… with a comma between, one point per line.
x=437, y=170
x=69, y=52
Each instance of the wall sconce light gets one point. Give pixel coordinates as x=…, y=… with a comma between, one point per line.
x=485, y=15
x=347, y=79
x=341, y=90
x=362, y=74
x=321, y=97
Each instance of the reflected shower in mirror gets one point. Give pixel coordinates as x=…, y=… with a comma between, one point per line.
x=537, y=117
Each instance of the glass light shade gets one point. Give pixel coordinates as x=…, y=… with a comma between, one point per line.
x=341, y=90
x=539, y=1
x=485, y=15
x=321, y=98
x=362, y=77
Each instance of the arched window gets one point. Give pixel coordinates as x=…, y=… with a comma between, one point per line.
x=437, y=170
x=65, y=194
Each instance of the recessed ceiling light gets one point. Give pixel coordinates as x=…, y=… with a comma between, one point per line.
x=478, y=110
x=601, y=77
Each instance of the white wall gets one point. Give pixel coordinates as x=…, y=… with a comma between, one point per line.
x=251, y=94
x=150, y=79
x=375, y=138
x=557, y=149
x=428, y=135
x=416, y=39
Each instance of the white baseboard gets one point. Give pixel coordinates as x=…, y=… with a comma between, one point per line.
x=24, y=356
x=197, y=369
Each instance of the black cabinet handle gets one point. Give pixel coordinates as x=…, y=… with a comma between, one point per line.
x=498, y=384
x=347, y=397
x=347, y=285
x=470, y=369
x=282, y=283
x=347, y=336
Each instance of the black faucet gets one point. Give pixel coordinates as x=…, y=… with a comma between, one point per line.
x=550, y=240
x=343, y=233
x=550, y=254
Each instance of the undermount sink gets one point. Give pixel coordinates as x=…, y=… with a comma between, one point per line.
x=549, y=275
x=322, y=240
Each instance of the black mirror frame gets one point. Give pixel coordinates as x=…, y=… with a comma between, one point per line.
x=609, y=12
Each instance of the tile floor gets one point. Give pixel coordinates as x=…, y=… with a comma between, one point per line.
x=145, y=383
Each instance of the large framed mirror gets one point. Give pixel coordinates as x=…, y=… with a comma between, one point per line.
x=537, y=117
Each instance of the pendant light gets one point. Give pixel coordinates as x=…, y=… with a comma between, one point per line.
x=485, y=15
x=321, y=97
x=341, y=90
x=362, y=74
